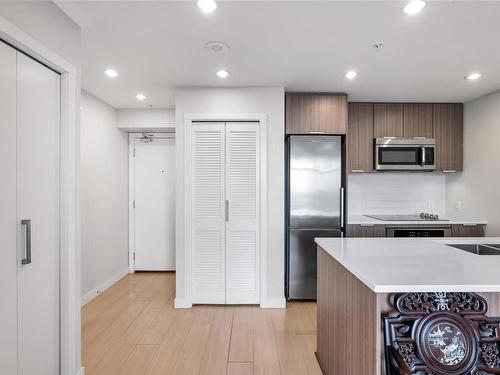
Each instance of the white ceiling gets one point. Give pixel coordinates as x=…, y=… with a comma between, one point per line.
x=301, y=45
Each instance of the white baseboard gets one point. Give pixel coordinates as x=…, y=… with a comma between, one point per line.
x=87, y=297
x=274, y=303
x=180, y=303
x=81, y=371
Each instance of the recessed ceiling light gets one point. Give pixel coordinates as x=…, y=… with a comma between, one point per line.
x=351, y=74
x=223, y=73
x=473, y=76
x=208, y=6
x=140, y=96
x=414, y=7
x=111, y=73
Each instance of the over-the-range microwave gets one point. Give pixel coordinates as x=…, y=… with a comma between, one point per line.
x=405, y=154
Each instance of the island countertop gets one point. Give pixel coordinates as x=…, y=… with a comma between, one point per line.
x=392, y=265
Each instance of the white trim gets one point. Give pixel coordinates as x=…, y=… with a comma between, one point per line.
x=69, y=195
x=273, y=303
x=131, y=191
x=189, y=118
x=181, y=303
x=81, y=371
x=86, y=298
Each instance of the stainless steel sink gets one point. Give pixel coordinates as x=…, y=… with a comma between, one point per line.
x=478, y=249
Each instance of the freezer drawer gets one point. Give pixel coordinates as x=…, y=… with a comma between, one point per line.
x=302, y=254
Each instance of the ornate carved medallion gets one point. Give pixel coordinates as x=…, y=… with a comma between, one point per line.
x=442, y=334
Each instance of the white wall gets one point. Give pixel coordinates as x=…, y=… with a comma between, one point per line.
x=135, y=120
x=477, y=189
x=44, y=21
x=396, y=193
x=235, y=101
x=104, y=197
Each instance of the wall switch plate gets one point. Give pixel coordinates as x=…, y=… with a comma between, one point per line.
x=458, y=206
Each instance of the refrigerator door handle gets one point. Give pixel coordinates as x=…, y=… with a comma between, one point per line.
x=342, y=207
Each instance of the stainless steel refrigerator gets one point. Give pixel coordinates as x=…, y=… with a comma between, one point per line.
x=315, y=206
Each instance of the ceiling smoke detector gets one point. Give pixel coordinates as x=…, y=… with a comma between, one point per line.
x=217, y=46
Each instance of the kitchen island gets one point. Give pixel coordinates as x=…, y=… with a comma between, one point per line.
x=360, y=279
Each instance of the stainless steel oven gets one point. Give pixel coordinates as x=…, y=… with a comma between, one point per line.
x=444, y=231
x=405, y=154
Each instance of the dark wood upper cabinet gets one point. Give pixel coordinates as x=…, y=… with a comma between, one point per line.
x=417, y=120
x=387, y=120
x=360, y=138
x=315, y=114
x=448, y=129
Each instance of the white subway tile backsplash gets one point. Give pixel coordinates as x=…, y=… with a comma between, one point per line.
x=396, y=193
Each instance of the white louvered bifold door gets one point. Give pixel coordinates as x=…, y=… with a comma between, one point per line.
x=242, y=226
x=208, y=213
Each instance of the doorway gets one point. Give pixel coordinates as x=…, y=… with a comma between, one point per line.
x=152, y=196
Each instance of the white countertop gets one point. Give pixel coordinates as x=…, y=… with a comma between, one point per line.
x=364, y=220
x=389, y=265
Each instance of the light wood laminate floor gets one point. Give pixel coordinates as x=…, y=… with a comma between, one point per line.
x=133, y=329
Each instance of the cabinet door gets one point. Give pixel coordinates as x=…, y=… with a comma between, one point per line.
x=387, y=120
x=208, y=213
x=8, y=217
x=448, y=128
x=468, y=230
x=417, y=120
x=360, y=137
x=242, y=216
x=315, y=114
x=38, y=136
x=372, y=230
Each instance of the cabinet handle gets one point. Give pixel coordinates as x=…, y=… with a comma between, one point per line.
x=227, y=210
x=27, y=224
x=316, y=132
x=470, y=225
x=449, y=170
x=357, y=170
x=367, y=225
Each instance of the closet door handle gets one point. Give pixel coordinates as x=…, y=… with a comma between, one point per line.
x=27, y=233
x=227, y=211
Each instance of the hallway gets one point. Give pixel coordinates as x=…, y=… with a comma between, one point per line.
x=133, y=329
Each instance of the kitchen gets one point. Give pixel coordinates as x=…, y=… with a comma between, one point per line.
x=229, y=194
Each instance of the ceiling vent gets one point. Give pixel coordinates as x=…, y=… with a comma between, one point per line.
x=217, y=46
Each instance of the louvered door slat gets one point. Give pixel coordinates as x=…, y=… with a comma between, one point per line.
x=208, y=213
x=242, y=193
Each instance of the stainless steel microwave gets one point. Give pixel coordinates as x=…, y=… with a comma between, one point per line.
x=405, y=154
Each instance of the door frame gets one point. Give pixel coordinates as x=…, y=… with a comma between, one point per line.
x=69, y=201
x=131, y=190
x=189, y=118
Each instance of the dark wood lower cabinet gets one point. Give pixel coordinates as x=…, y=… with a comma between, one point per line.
x=347, y=321
x=468, y=230
x=362, y=230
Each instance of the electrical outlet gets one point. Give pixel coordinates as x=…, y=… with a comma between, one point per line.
x=458, y=206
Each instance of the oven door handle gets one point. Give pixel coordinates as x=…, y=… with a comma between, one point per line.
x=422, y=157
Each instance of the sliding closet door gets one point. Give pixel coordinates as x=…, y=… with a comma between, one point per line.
x=38, y=132
x=8, y=219
x=208, y=213
x=242, y=226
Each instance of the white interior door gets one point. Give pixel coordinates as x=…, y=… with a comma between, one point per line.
x=154, y=190
x=208, y=213
x=38, y=138
x=242, y=225
x=8, y=216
